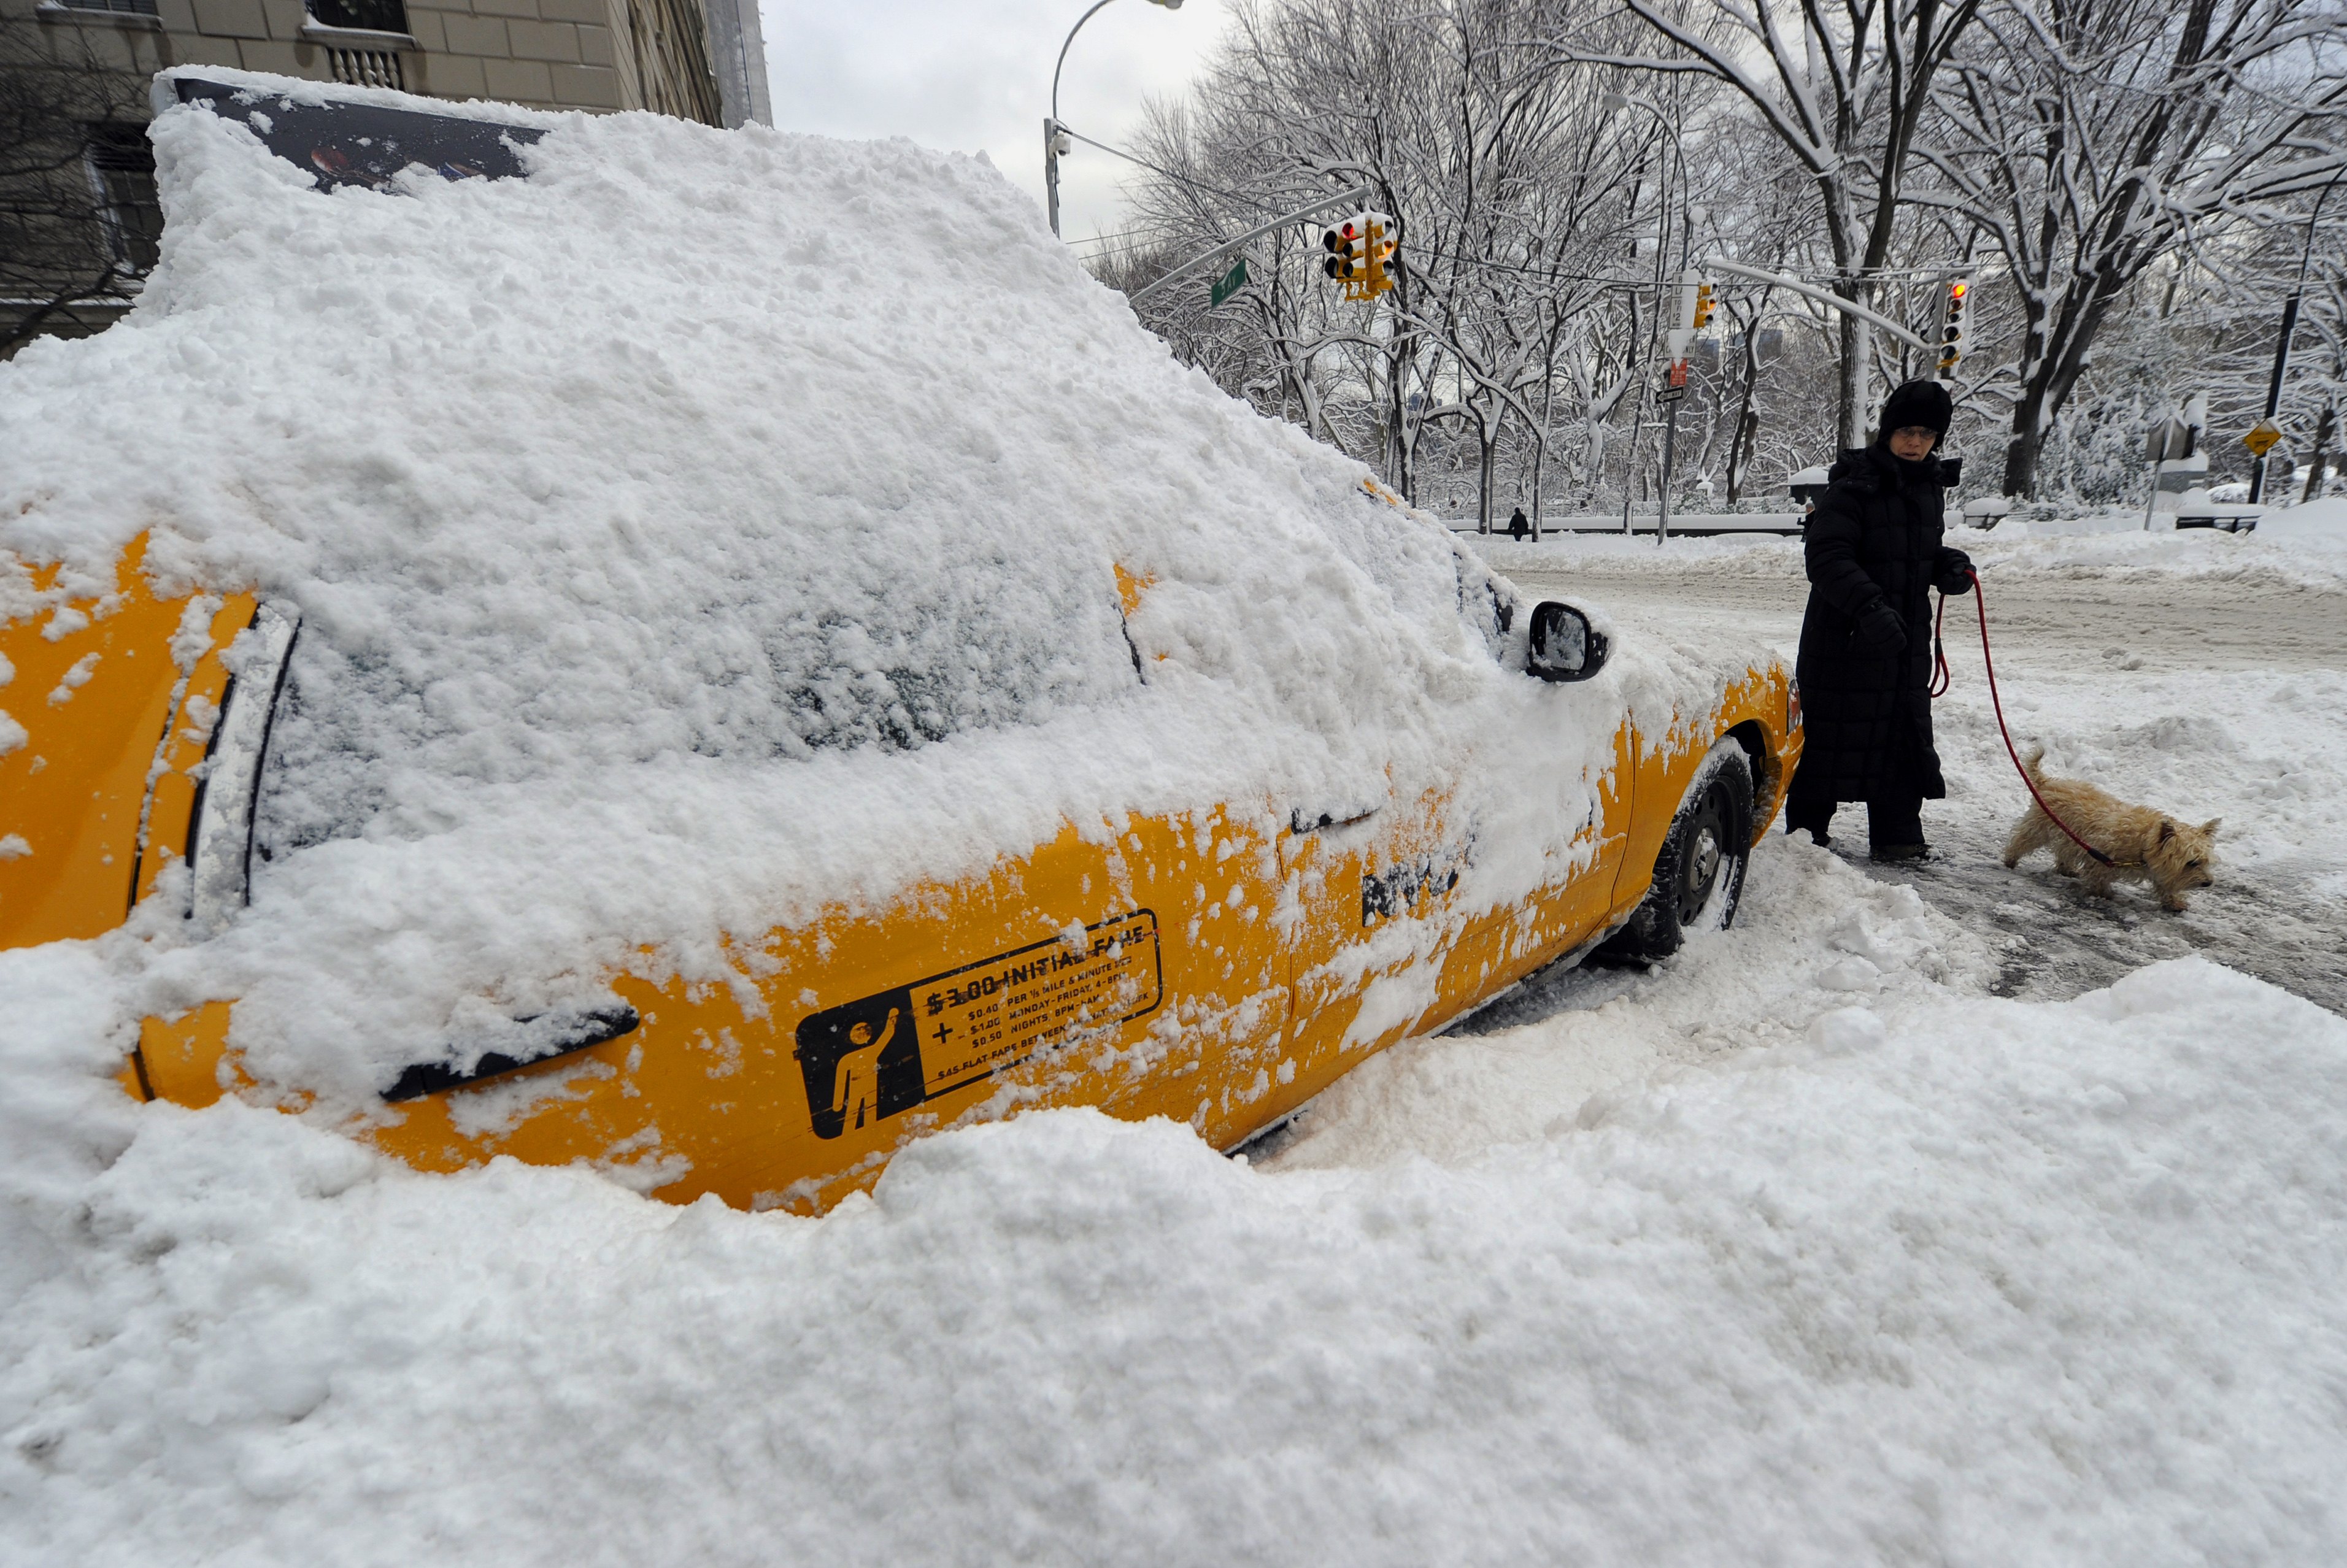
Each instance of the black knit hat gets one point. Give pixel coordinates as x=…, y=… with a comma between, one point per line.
x=1923, y=403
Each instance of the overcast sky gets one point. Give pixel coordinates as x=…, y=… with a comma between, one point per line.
x=976, y=76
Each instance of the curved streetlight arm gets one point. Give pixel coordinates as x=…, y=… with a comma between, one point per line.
x=1823, y=297
x=1062, y=61
x=1052, y=124
x=1678, y=154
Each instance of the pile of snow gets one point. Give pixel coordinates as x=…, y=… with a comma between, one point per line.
x=2320, y=525
x=707, y=526
x=2278, y=554
x=1796, y=1251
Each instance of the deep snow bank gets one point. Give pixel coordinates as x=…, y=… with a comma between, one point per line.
x=1791, y=1252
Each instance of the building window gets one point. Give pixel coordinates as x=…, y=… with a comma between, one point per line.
x=360, y=15
x=673, y=60
x=367, y=67
x=121, y=167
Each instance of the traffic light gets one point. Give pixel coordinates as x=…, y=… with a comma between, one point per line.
x=1703, y=306
x=1380, y=247
x=1348, y=247
x=1952, y=330
x=1361, y=254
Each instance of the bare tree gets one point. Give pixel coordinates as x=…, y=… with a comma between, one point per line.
x=2105, y=165
x=1512, y=193
x=1844, y=86
x=2087, y=138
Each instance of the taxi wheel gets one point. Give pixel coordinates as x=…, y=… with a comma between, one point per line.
x=1699, y=875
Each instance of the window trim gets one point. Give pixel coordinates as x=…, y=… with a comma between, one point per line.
x=52, y=11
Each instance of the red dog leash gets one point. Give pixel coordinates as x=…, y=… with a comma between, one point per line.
x=1940, y=682
x=1940, y=676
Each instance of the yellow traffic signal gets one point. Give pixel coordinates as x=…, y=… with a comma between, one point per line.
x=1380, y=250
x=1703, y=306
x=1952, y=330
x=1360, y=255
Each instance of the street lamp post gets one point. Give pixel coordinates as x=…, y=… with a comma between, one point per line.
x=1053, y=141
x=1617, y=102
x=2289, y=326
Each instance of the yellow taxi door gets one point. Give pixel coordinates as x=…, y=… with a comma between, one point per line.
x=1404, y=918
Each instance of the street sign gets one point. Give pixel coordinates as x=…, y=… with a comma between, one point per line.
x=1230, y=283
x=2167, y=441
x=1675, y=385
x=1671, y=394
x=2262, y=437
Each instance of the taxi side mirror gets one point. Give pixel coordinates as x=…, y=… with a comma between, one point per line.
x=1564, y=646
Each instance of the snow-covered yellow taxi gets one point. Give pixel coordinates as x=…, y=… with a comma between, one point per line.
x=586, y=668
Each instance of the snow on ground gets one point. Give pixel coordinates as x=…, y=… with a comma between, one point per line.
x=1806, y=1248
x=2305, y=545
x=2206, y=690
x=1796, y=1250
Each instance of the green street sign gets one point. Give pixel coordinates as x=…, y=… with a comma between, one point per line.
x=1232, y=282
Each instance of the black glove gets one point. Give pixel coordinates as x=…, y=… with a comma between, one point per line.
x=1879, y=631
x=1954, y=574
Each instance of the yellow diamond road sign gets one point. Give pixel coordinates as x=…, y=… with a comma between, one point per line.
x=2260, y=440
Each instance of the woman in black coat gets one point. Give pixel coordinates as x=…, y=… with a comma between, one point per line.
x=1873, y=550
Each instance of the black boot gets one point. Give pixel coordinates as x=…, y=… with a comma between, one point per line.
x=1894, y=828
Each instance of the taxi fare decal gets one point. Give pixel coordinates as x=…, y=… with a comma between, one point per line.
x=891, y=1052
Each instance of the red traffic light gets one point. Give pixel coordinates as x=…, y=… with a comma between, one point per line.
x=1345, y=251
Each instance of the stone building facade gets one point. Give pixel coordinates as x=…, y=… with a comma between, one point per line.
x=78, y=222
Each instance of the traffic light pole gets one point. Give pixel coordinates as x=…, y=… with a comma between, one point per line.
x=2281, y=345
x=1808, y=291
x=1670, y=441
x=1682, y=343
x=1358, y=193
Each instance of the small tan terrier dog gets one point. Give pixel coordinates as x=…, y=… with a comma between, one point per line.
x=2146, y=846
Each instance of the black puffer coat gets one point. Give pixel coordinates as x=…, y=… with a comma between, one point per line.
x=1875, y=535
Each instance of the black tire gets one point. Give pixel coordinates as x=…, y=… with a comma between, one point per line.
x=1699, y=875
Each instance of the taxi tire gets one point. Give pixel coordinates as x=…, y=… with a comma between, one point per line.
x=1699, y=875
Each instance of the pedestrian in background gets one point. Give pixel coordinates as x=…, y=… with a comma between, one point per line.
x=1517, y=527
x=1873, y=550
